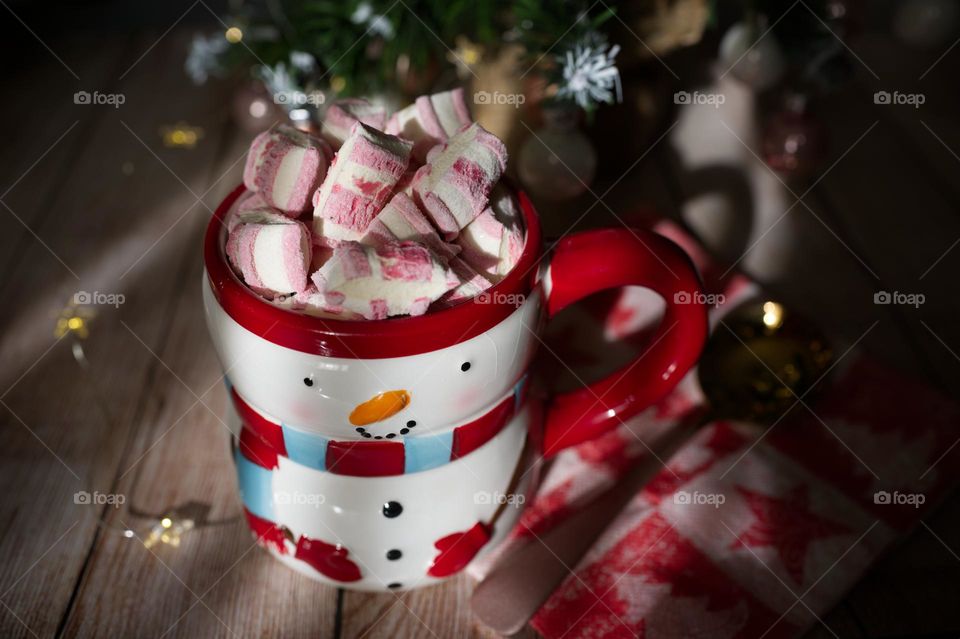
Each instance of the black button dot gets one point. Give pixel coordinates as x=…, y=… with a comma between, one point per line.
x=394, y=554
x=404, y=431
x=411, y=424
x=394, y=586
x=465, y=366
x=392, y=509
x=391, y=435
x=308, y=381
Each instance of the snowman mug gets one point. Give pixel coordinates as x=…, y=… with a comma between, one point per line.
x=388, y=454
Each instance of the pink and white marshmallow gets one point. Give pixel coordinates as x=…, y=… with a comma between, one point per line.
x=398, y=278
x=401, y=219
x=285, y=166
x=247, y=213
x=490, y=245
x=312, y=302
x=472, y=283
x=454, y=185
x=273, y=259
x=342, y=115
x=430, y=120
x=359, y=183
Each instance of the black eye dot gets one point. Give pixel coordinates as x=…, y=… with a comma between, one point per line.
x=307, y=381
x=404, y=431
x=394, y=586
x=392, y=509
x=465, y=366
x=411, y=424
x=394, y=554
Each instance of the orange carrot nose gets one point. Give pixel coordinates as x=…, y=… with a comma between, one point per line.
x=380, y=407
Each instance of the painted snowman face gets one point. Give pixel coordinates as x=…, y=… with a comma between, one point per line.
x=373, y=399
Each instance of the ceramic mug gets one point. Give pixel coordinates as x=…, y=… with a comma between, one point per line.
x=390, y=453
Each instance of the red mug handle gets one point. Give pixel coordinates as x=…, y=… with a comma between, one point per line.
x=593, y=261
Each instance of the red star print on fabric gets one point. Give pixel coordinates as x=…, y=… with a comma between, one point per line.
x=788, y=525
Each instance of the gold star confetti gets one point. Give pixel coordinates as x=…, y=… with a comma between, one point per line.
x=75, y=320
x=168, y=531
x=337, y=83
x=181, y=135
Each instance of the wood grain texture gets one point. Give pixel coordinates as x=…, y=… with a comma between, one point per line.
x=907, y=233
x=57, y=436
x=180, y=456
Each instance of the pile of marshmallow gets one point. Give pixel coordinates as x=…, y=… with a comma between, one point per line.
x=407, y=212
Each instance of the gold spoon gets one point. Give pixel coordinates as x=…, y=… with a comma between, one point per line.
x=760, y=360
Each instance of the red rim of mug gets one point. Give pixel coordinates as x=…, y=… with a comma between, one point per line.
x=369, y=339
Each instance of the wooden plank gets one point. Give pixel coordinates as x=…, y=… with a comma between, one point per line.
x=58, y=436
x=912, y=591
x=929, y=134
x=903, y=227
x=437, y=611
x=217, y=583
x=904, y=224
x=49, y=132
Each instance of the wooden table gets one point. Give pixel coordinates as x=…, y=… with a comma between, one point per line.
x=92, y=201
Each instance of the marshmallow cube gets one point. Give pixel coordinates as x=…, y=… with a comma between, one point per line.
x=454, y=185
x=472, y=283
x=285, y=166
x=430, y=120
x=359, y=183
x=249, y=201
x=398, y=278
x=272, y=258
x=342, y=115
x=246, y=212
x=312, y=302
x=400, y=220
x=491, y=246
